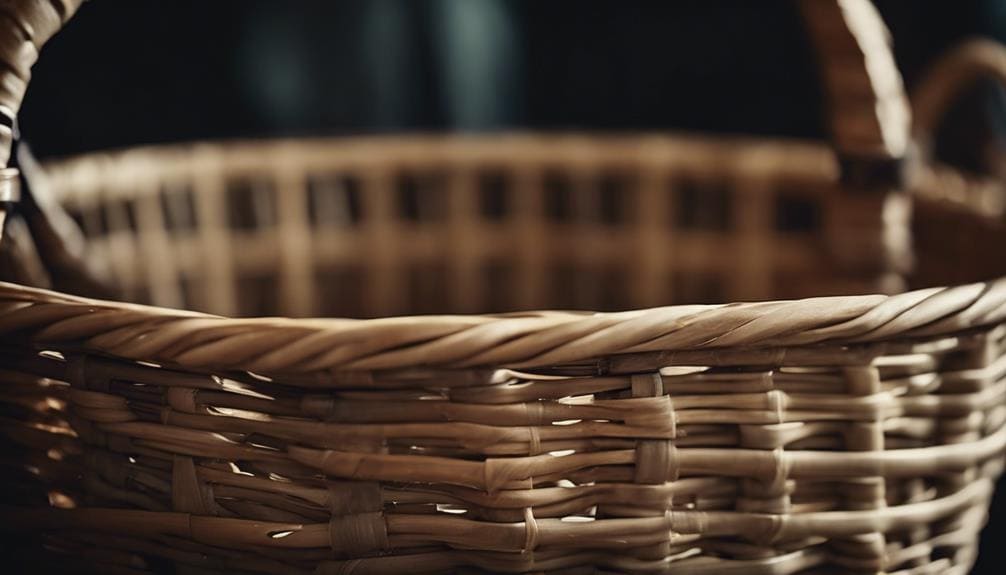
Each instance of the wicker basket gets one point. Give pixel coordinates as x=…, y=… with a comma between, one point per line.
x=849, y=434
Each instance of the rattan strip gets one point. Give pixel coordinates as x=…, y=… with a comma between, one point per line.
x=27, y=25
x=514, y=259
x=858, y=67
x=951, y=75
x=276, y=345
x=940, y=401
x=513, y=537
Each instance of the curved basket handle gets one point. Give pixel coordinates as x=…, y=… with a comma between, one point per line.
x=868, y=111
x=25, y=25
x=953, y=73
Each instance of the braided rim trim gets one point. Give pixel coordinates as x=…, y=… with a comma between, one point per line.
x=280, y=345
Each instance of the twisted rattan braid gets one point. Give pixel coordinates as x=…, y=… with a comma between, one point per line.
x=276, y=345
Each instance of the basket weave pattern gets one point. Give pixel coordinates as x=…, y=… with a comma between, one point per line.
x=388, y=226
x=758, y=433
x=849, y=433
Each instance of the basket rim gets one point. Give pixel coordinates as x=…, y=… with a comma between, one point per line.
x=269, y=345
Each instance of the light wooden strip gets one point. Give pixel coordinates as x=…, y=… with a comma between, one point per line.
x=163, y=274
x=466, y=240
x=655, y=234
x=384, y=292
x=753, y=257
x=296, y=259
x=529, y=235
x=219, y=283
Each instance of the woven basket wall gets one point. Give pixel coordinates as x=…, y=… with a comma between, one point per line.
x=389, y=226
x=838, y=434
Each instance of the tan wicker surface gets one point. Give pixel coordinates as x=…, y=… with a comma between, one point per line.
x=842, y=434
x=386, y=226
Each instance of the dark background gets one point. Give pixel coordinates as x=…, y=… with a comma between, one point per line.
x=128, y=72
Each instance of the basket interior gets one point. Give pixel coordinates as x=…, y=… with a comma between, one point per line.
x=365, y=227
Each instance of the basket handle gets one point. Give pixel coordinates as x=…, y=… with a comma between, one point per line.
x=25, y=25
x=867, y=110
x=953, y=73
